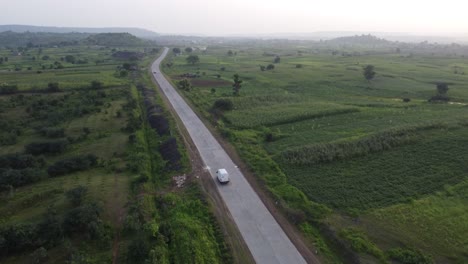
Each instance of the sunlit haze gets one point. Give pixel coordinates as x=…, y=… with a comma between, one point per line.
x=222, y=17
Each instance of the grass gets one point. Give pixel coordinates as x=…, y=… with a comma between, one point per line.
x=372, y=181
x=328, y=101
x=108, y=184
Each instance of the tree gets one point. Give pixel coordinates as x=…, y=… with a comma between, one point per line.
x=277, y=59
x=53, y=87
x=77, y=195
x=262, y=68
x=188, y=50
x=442, y=88
x=185, y=85
x=237, y=84
x=192, y=59
x=369, y=72
x=96, y=85
x=176, y=50
x=230, y=53
x=70, y=59
x=270, y=67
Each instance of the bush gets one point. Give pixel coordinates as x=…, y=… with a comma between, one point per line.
x=8, y=89
x=52, y=132
x=170, y=153
x=409, y=256
x=223, y=104
x=270, y=67
x=85, y=220
x=406, y=100
x=69, y=165
x=18, y=238
x=77, y=195
x=160, y=124
x=53, y=87
x=20, y=161
x=52, y=147
x=17, y=178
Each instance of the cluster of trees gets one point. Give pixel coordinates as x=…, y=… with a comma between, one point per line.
x=57, y=109
x=8, y=89
x=267, y=68
x=52, y=132
x=73, y=164
x=49, y=147
x=83, y=220
x=185, y=85
x=192, y=59
x=20, y=169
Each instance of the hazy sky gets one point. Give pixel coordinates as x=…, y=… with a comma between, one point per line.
x=222, y=17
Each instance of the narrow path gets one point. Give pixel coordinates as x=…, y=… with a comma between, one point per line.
x=266, y=240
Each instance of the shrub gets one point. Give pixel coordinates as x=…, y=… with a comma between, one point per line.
x=409, y=256
x=20, y=161
x=17, y=178
x=52, y=132
x=85, y=220
x=69, y=165
x=160, y=124
x=18, y=238
x=53, y=87
x=77, y=195
x=270, y=67
x=8, y=89
x=406, y=100
x=170, y=153
x=52, y=147
x=223, y=104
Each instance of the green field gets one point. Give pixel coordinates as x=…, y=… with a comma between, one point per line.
x=69, y=126
x=371, y=154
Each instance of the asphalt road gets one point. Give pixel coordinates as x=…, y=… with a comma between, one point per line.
x=266, y=240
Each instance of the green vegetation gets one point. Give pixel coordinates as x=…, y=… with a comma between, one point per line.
x=338, y=153
x=87, y=160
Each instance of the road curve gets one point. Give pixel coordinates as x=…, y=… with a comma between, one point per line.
x=266, y=240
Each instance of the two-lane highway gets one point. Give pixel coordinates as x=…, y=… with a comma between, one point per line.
x=266, y=240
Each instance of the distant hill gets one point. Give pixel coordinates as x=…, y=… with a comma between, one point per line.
x=115, y=39
x=139, y=32
x=14, y=39
x=362, y=40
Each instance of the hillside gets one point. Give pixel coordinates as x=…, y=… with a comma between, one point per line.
x=139, y=32
x=114, y=39
x=362, y=40
x=14, y=39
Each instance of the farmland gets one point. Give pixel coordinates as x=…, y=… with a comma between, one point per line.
x=86, y=171
x=341, y=153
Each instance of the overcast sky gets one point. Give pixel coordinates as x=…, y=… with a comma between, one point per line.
x=223, y=17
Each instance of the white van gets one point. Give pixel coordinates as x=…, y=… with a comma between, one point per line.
x=222, y=175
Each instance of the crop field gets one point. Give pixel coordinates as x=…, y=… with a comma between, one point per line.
x=377, y=150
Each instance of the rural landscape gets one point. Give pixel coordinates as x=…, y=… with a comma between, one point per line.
x=335, y=147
